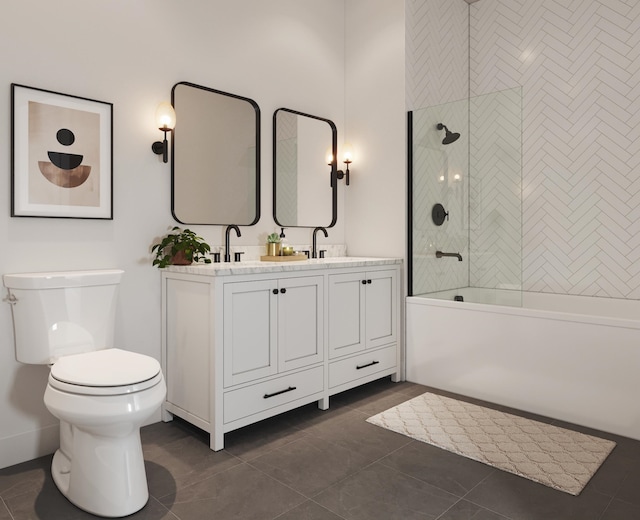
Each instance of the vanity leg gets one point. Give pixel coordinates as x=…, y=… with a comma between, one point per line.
x=396, y=377
x=216, y=440
x=323, y=404
x=165, y=415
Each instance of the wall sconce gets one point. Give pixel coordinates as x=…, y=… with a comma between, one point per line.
x=347, y=159
x=166, y=120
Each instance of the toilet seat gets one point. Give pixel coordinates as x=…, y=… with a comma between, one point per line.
x=105, y=372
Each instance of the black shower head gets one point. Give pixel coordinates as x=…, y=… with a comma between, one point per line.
x=449, y=137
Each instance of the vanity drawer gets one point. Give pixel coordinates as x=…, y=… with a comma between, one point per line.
x=263, y=396
x=353, y=368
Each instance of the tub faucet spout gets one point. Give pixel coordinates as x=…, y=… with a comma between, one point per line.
x=440, y=254
x=227, y=251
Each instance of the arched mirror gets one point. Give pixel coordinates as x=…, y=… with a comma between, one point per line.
x=215, y=159
x=304, y=186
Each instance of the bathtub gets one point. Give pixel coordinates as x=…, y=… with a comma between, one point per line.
x=571, y=358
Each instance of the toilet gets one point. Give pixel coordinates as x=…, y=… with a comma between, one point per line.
x=102, y=395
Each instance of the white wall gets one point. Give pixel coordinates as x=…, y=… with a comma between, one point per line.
x=375, y=201
x=280, y=53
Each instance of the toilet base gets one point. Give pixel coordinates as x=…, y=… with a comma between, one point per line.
x=107, y=476
x=100, y=466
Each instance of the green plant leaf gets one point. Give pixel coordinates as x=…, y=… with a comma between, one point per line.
x=186, y=241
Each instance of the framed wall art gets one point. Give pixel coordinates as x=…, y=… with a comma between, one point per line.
x=62, y=155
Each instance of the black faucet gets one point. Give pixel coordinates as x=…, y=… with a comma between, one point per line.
x=227, y=251
x=314, y=251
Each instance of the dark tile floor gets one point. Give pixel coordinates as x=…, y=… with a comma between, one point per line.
x=313, y=465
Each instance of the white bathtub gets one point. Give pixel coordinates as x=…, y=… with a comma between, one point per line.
x=571, y=358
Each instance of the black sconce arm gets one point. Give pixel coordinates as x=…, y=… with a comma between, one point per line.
x=162, y=147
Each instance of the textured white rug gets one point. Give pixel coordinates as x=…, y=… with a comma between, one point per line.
x=557, y=457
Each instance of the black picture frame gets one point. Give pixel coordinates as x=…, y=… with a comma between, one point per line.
x=61, y=155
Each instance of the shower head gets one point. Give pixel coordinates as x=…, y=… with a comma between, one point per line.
x=449, y=137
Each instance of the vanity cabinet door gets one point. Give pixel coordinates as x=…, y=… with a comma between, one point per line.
x=271, y=326
x=300, y=322
x=362, y=311
x=380, y=308
x=346, y=314
x=250, y=331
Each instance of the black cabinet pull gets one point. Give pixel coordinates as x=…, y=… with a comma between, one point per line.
x=367, y=365
x=283, y=290
x=368, y=281
x=364, y=282
x=275, y=291
x=290, y=389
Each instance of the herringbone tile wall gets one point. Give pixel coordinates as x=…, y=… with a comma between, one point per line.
x=495, y=190
x=437, y=45
x=578, y=63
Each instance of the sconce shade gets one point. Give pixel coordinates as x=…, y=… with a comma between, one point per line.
x=166, y=121
x=347, y=153
x=165, y=116
x=329, y=155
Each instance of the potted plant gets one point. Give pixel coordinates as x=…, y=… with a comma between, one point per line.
x=180, y=248
x=273, y=244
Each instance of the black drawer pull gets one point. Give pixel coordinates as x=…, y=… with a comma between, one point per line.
x=290, y=389
x=367, y=365
x=283, y=290
x=275, y=291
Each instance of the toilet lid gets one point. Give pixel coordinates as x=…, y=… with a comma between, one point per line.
x=105, y=368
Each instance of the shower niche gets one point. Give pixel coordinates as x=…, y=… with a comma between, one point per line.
x=465, y=195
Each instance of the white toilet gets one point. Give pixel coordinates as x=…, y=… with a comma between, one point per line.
x=101, y=394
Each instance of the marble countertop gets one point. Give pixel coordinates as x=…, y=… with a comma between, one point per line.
x=259, y=267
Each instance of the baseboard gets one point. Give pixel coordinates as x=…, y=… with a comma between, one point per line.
x=37, y=443
x=29, y=445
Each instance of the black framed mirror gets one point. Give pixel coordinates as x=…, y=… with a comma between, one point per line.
x=215, y=159
x=305, y=190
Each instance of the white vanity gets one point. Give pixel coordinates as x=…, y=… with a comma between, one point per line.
x=243, y=342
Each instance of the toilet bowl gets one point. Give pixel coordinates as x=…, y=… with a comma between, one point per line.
x=99, y=466
x=102, y=395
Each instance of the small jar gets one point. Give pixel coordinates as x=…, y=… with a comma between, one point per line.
x=273, y=248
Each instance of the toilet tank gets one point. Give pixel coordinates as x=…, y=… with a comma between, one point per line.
x=56, y=314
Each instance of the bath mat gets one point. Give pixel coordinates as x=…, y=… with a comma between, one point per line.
x=556, y=457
